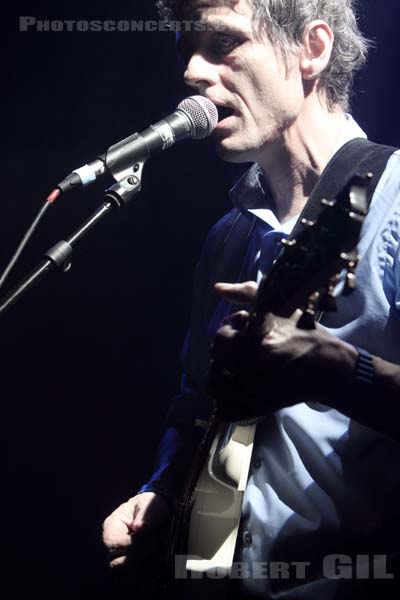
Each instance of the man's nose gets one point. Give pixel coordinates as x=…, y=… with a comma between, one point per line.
x=200, y=73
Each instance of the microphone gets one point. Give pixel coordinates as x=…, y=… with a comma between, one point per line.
x=195, y=118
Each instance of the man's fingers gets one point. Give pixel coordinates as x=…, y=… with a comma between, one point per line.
x=133, y=529
x=117, y=562
x=136, y=511
x=140, y=524
x=237, y=293
x=237, y=321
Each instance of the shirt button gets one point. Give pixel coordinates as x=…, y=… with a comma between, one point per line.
x=247, y=538
x=257, y=463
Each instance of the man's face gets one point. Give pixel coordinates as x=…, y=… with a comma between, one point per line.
x=231, y=66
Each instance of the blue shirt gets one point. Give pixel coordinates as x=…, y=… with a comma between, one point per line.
x=320, y=482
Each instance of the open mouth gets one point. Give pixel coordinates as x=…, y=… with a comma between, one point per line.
x=224, y=112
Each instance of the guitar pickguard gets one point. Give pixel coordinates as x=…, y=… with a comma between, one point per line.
x=218, y=500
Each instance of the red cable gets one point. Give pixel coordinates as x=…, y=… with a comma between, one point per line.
x=53, y=196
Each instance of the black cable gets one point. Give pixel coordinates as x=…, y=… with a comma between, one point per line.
x=24, y=242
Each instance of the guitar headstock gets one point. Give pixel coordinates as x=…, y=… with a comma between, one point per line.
x=307, y=270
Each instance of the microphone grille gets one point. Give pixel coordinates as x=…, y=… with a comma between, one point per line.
x=202, y=113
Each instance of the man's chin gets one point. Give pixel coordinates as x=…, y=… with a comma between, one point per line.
x=229, y=153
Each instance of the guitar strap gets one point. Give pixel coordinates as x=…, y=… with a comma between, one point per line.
x=359, y=156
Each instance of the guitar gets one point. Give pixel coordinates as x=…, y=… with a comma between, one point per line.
x=304, y=276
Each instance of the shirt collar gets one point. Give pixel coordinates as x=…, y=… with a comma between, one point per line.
x=250, y=193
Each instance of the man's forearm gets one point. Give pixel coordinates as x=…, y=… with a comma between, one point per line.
x=174, y=458
x=375, y=404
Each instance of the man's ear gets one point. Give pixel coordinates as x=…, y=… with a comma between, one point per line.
x=316, y=49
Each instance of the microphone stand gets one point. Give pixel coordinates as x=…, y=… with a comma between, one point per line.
x=58, y=257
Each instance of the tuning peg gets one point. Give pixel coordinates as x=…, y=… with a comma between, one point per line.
x=368, y=177
x=308, y=223
x=288, y=243
x=328, y=203
x=350, y=284
x=351, y=278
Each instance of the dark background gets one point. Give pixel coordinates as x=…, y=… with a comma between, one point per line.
x=89, y=360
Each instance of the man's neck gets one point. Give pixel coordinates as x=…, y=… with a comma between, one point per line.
x=293, y=164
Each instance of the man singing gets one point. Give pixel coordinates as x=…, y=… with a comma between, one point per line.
x=324, y=479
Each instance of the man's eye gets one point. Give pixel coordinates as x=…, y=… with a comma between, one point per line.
x=224, y=44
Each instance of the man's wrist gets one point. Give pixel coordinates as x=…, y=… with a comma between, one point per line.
x=162, y=491
x=340, y=360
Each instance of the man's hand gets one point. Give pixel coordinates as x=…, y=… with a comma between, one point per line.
x=257, y=372
x=137, y=521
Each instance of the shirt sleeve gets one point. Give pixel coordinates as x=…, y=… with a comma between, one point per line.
x=192, y=406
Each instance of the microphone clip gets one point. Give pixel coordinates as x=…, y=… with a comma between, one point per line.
x=128, y=184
